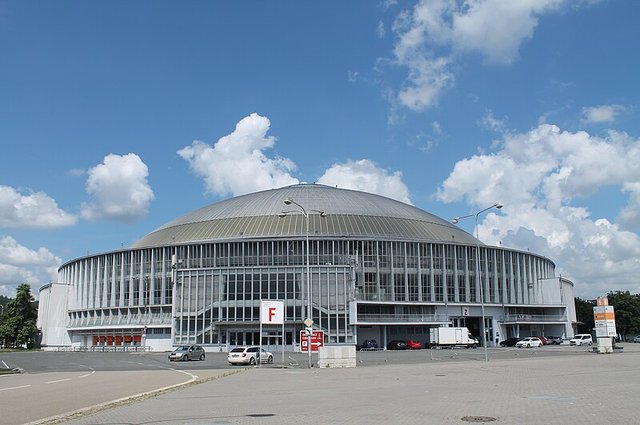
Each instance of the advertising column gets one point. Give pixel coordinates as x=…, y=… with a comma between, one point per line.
x=605, y=321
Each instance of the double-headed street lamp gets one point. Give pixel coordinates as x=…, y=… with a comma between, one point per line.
x=455, y=221
x=302, y=210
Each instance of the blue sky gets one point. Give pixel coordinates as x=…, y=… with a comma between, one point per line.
x=116, y=117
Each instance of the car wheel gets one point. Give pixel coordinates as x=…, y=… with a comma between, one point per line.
x=528, y=345
x=270, y=359
x=202, y=356
x=186, y=358
x=252, y=361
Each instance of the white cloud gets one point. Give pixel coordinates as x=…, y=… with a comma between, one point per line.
x=77, y=172
x=119, y=189
x=602, y=113
x=491, y=122
x=495, y=28
x=380, y=30
x=32, y=210
x=236, y=164
x=433, y=36
x=364, y=175
x=19, y=264
x=545, y=178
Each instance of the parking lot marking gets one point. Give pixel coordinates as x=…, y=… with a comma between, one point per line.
x=59, y=380
x=14, y=388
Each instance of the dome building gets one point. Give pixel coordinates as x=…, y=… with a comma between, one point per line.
x=359, y=265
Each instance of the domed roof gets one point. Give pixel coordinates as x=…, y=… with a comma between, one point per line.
x=348, y=213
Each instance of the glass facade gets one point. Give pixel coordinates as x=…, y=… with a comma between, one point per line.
x=209, y=293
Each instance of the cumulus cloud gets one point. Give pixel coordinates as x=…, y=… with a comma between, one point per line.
x=19, y=264
x=364, y=175
x=544, y=178
x=119, y=189
x=237, y=163
x=31, y=210
x=432, y=37
x=602, y=113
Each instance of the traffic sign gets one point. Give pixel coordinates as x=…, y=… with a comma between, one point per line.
x=272, y=312
x=317, y=341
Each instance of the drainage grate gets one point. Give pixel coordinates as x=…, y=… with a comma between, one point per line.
x=478, y=419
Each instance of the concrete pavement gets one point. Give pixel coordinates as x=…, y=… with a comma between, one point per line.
x=573, y=389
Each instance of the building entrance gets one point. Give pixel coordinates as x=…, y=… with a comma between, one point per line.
x=473, y=324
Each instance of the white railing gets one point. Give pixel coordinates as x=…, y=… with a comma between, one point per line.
x=534, y=318
x=402, y=318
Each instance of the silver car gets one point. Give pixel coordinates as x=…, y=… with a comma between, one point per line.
x=187, y=352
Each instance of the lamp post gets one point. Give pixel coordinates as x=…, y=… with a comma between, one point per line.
x=146, y=301
x=455, y=221
x=302, y=210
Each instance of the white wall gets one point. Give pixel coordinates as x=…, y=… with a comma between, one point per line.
x=52, y=315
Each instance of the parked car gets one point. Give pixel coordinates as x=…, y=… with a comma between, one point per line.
x=187, y=352
x=367, y=344
x=509, y=342
x=528, y=342
x=397, y=345
x=555, y=340
x=636, y=339
x=543, y=339
x=581, y=339
x=249, y=355
x=414, y=345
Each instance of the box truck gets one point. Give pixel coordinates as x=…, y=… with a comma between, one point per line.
x=451, y=337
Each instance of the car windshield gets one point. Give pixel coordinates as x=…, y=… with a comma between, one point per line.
x=182, y=348
x=238, y=350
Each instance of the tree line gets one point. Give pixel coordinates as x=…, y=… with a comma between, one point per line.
x=18, y=319
x=627, y=311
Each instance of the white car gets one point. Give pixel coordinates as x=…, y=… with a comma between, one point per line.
x=581, y=339
x=529, y=342
x=249, y=355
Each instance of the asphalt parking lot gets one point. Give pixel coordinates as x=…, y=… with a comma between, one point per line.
x=561, y=383
x=43, y=362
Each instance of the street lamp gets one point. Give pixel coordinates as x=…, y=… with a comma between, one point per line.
x=455, y=221
x=302, y=210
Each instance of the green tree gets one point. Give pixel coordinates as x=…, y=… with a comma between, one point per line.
x=627, y=310
x=584, y=315
x=18, y=323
